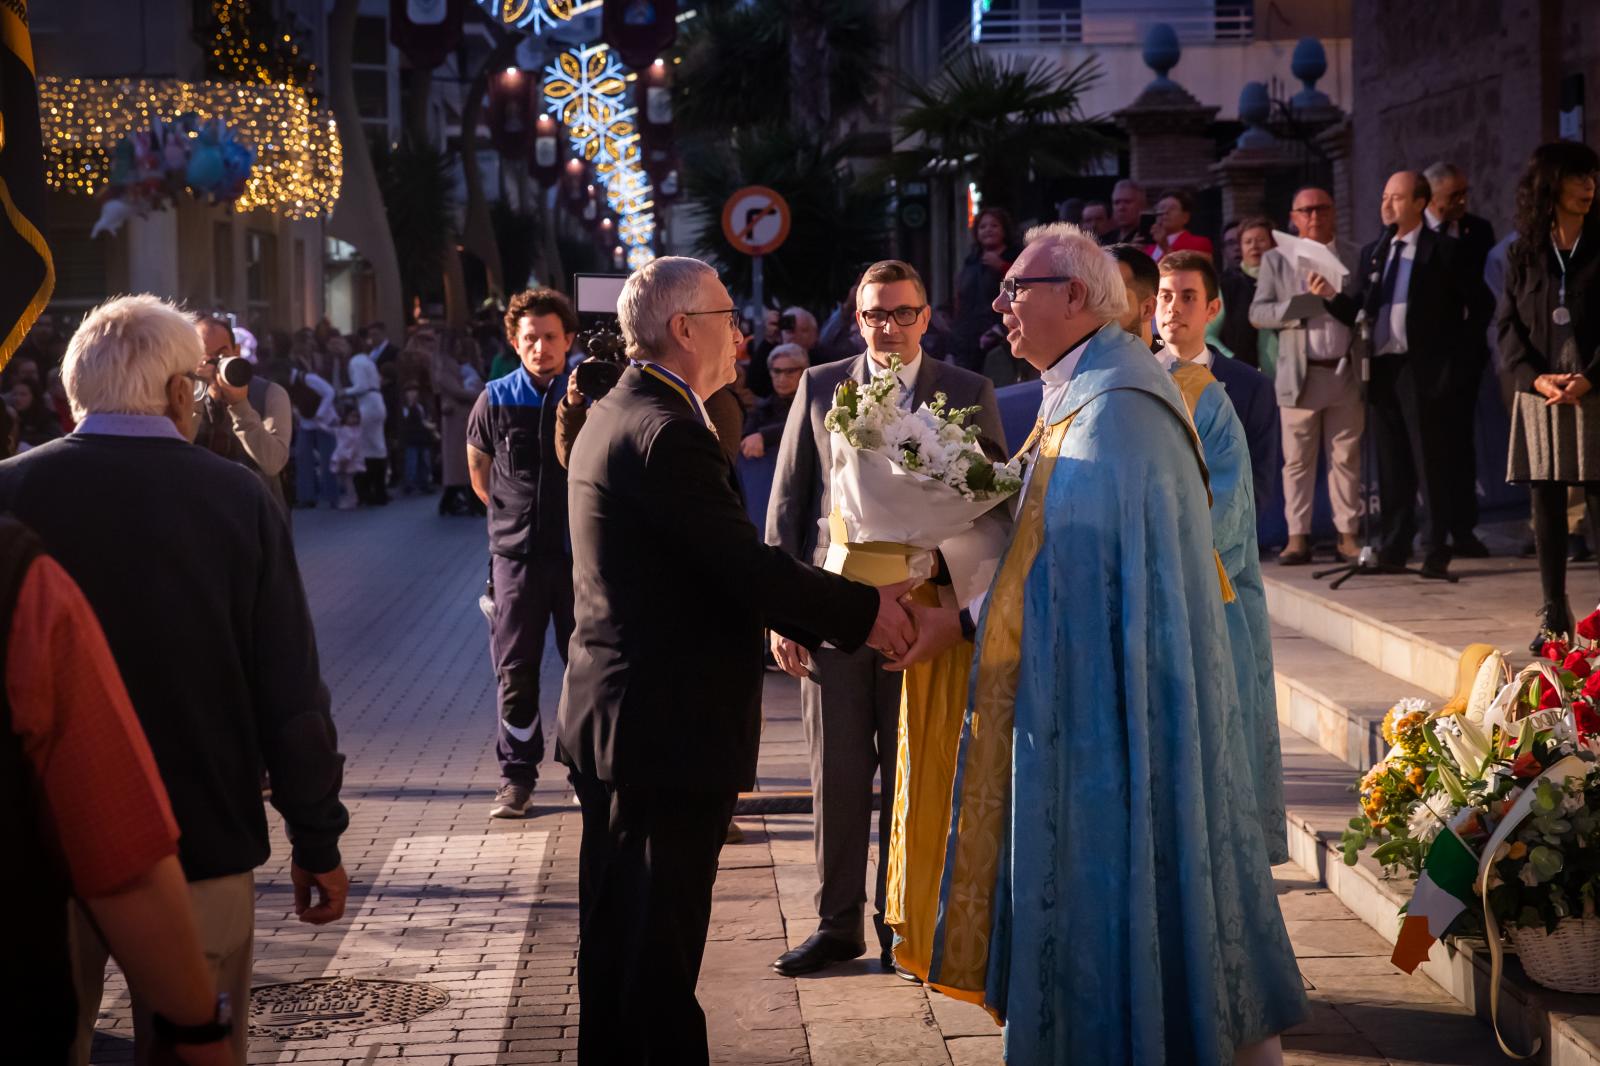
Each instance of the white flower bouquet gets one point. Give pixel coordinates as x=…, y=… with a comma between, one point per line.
x=907, y=481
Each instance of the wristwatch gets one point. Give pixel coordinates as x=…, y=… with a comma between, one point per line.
x=220, y=1026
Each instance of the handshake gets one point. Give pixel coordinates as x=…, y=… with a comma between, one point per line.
x=905, y=631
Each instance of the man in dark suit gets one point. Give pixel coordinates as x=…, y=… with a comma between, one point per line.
x=660, y=715
x=1447, y=215
x=851, y=704
x=1410, y=288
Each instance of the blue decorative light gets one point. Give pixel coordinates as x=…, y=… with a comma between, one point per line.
x=535, y=16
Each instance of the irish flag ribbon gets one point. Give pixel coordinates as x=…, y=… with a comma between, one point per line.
x=1443, y=891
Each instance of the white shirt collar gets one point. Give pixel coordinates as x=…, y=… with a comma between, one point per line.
x=1169, y=356
x=907, y=373
x=1411, y=238
x=1067, y=365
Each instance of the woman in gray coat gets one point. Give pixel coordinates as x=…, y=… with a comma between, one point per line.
x=1549, y=340
x=457, y=382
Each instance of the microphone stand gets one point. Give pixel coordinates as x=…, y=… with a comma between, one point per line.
x=1366, y=562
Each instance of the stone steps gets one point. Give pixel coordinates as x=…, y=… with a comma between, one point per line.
x=1320, y=804
x=1333, y=699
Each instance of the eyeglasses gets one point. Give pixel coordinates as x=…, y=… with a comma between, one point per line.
x=1313, y=209
x=732, y=313
x=878, y=317
x=1009, y=287
x=787, y=371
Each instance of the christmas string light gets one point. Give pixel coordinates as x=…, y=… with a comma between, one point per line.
x=299, y=163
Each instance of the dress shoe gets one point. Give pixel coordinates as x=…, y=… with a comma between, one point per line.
x=886, y=960
x=1298, y=553
x=1436, y=566
x=1469, y=547
x=820, y=951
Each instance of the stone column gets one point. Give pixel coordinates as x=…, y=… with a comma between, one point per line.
x=1243, y=173
x=1168, y=141
x=1337, y=143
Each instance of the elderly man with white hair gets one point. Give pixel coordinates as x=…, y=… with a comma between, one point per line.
x=1128, y=913
x=189, y=566
x=660, y=715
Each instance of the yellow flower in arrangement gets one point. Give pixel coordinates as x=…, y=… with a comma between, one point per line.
x=1402, y=727
x=1518, y=850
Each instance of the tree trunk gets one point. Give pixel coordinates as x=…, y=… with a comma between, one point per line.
x=810, y=104
x=359, y=217
x=477, y=234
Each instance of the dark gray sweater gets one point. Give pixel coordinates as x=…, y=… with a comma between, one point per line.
x=190, y=568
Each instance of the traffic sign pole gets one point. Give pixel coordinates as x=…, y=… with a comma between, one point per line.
x=756, y=293
x=756, y=222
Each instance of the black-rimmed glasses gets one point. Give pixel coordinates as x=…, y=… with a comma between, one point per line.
x=732, y=313
x=878, y=317
x=1312, y=209
x=1011, y=286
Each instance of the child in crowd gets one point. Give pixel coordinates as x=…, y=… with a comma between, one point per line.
x=418, y=435
x=347, y=458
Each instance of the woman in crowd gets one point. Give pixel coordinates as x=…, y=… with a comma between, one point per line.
x=457, y=382
x=994, y=248
x=1171, y=233
x=36, y=420
x=1234, y=333
x=1549, y=341
x=366, y=389
x=763, y=425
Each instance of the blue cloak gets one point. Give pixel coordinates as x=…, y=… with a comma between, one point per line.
x=1134, y=918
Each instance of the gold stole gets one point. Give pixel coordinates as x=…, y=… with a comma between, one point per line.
x=984, y=796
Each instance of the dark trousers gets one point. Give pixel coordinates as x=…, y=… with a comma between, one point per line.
x=1462, y=423
x=1550, y=534
x=1411, y=435
x=851, y=712
x=372, y=484
x=529, y=593
x=645, y=874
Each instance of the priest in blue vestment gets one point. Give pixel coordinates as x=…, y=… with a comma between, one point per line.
x=1105, y=890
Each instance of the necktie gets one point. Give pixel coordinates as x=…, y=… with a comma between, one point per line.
x=1390, y=273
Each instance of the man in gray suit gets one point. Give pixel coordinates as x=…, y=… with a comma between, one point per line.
x=850, y=704
x=1318, y=381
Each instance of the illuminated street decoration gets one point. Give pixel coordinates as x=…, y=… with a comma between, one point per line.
x=586, y=89
x=535, y=16
x=299, y=163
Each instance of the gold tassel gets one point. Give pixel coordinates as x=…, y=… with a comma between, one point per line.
x=1228, y=595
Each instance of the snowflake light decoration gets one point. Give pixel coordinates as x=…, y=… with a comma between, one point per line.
x=639, y=256
x=535, y=16
x=586, y=90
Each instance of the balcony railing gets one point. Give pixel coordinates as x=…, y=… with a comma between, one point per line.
x=1124, y=26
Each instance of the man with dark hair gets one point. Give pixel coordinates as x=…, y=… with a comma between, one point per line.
x=511, y=457
x=250, y=424
x=1447, y=215
x=1141, y=278
x=850, y=705
x=1194, y=282
x=1096, y=217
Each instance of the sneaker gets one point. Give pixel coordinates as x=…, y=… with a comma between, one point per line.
x=512, y=801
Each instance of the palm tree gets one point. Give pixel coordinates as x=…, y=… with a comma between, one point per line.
x=1006, y=121
x=740, y=62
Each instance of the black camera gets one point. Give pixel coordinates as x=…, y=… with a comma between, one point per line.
x=605, y=357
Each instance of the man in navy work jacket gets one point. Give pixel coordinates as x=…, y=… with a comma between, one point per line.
x=511, y=456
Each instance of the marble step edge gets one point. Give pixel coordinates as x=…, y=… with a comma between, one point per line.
x=1415, y=659
x=1345, y=717
x=1567, y=1025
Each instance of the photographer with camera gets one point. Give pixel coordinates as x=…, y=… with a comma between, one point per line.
x=240, y=415
x=603, y=364
x=511, y=458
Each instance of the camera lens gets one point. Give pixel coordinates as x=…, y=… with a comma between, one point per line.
x=235, y=371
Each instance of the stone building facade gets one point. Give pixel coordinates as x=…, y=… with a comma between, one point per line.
x=1476, y=82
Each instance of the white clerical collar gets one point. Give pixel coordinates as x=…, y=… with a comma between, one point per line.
x=1169, y=355
x=907, y=372
x=1067, y=365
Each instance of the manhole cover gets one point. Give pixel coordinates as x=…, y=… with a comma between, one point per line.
x=310, y=1010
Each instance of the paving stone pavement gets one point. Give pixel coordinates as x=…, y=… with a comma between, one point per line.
x=487, y=909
